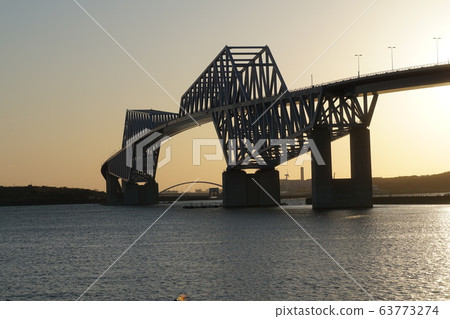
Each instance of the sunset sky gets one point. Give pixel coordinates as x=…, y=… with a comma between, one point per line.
x=65, y=85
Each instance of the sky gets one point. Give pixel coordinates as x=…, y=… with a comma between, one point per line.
x=65, y=85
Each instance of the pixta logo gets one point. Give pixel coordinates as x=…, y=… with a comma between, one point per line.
x=253, y=150
x=151, y=144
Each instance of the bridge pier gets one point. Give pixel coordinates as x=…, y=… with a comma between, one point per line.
x=322, y=183
x=355, y=192
x=135, y=194
x=240, y=189
x=113, y=190
x=361, y=166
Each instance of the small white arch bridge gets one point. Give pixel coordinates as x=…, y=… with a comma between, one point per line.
x=192, y=182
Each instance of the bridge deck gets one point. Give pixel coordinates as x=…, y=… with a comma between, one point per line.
x=385, y=82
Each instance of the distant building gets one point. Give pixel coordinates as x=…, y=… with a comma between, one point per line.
x=296, y=188
x=213, y=193
x=170, y=192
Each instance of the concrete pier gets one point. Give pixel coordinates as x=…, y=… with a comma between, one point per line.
x=114, y=194
x=135, y=194
x=355, y=192
x=269, y=179
x=130, y=193
x=234, y=188
x=322, y=185
x=240, y=190
x=361, y=166
x=148, y=193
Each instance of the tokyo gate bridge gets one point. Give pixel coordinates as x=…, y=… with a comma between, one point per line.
x=262, y=124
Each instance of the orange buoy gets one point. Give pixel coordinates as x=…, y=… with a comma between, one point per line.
x=182, y=297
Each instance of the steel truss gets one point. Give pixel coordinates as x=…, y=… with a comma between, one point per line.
x=291, y=117
x=243, y=93
x=140, y=122
x=236, y=75
x=246, y=97
x=133, y=162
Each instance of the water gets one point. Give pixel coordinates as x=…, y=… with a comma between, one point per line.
x=56, y=253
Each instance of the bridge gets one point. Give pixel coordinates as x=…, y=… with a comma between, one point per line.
x=189, y=183
x=261, y=124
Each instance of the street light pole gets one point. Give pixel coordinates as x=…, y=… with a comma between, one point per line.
x=437, y=49
x=392, y=57
x=358, y=55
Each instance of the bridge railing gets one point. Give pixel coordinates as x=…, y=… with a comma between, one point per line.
x=422, y=66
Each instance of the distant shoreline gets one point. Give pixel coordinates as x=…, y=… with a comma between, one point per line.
x=407, y=199
x=44, y=195
x=377, y=200
x=410, y=200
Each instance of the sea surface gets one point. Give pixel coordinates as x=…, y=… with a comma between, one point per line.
x=396, y=252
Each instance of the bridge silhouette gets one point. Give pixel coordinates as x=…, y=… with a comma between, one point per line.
x=254, y=114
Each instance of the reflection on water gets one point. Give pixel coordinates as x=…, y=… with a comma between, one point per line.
x=56, y=252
